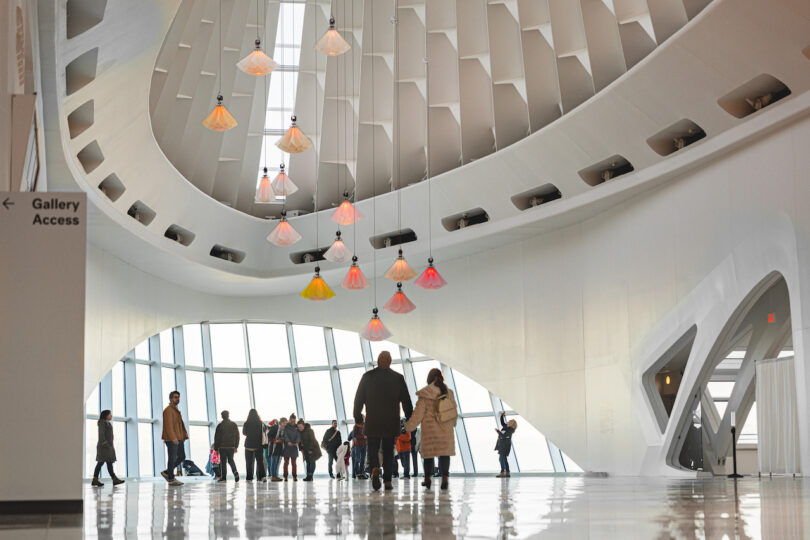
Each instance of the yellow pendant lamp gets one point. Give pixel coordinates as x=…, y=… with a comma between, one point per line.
x=317, y=290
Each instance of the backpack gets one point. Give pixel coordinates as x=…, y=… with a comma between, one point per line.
x=445, y=410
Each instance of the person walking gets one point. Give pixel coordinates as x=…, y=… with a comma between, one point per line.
x=275, y=447
x=226, y=442
x=359, y=448
x=309, y=448
x=504, y=444
x=404, y=451
x=291, y=439
x=382, y=391
x=174, y=435
x=437, y=431
x=252, y=429
x=105, y=451
x=332, y=440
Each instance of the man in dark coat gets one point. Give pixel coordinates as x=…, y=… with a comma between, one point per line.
x=226, y=441
x=331, y=441
x=381, y=391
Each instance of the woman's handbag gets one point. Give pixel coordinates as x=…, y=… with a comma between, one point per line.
x=445, y=410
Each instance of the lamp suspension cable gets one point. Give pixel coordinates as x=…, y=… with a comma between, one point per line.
x=427, y=142
x=396, y=185
x=373, y=159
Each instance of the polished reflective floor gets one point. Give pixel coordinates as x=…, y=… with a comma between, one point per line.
x=474, y=507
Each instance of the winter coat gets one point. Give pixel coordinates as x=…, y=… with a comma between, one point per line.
x=504, y=444
x=357, y=436
x=252, y=430
x=437, y=439
x=226, y=435
x=105, y=451
x=381, y=391
x=332, y=439
x=173, y=427
x=404, y=442
x=276, y=439
x=291, y=439
x=309, y=444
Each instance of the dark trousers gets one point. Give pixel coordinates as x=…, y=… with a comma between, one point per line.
x=310, y=467
x=444, y=466
x=176, y=454
x=359, y=460
x=109, y=469
x=294, y=466
x=504, y=459
x=274, y=462
x=387, y=444
x=226, y=459
x=415, y=458
x=256, y=456
x=405, y=458
x=332, y=459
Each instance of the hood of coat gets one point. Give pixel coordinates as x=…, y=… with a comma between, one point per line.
x=430, y=391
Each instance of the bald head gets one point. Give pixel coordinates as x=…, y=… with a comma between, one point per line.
x=384, y=359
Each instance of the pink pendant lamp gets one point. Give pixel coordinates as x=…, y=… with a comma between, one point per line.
x=354, y=280
x=430, y=278
x=399, y=303
x=375, y=330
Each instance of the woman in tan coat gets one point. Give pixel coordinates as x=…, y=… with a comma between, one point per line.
x=438, y=438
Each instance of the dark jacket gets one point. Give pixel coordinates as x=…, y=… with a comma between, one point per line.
x=291, y=439
x=332, y=440
x=226, y=435
x=252, y=430
x=381, y=390
x=504, y=444
x=105, y=451
x=276, y=447
x=309, y=444
x=357, y=436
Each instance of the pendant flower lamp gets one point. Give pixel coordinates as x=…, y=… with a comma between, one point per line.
x=375, y=330
x=282, y=185
x=332, y=43
x=294, y=141
x=430, y=278
x=264, y=193
x=284, y=234
x=346, y=213
x=399, y=303
x=400, y=270
x=337, y=252
x=257, y=62
x=219, y=119
x=317, y=289
x=354, y=280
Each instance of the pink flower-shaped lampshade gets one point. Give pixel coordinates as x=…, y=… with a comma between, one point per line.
x=284, y=234
x=346, y=213
x=317, y=289
x=294, y=141
x=430, y=278
x=332, y=43
x=219, y=119
x=282, y=185
x=399, y=303
x=400, y=270
x=264, y=193
x=354, y=280
x=257, y=63
x=337, y=252
x=375, y=330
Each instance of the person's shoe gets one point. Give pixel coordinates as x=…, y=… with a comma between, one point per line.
x=500, y=474
x=249, y=479
x=117, y=481
x=175, y=483
x=427, y=482
x=236, y=476
x=389, y=486
x=332, y=475
x=275, y=479
x=308, y=479
x=375, y=478
x=407, y=477
x=507, y=475
x=222, y=480
x=285, y=478
x=96, y=482
x=444, y=482
x=295, y=479
x=165, y=476
x=263, y=480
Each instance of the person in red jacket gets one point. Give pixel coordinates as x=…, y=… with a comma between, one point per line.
x=404, y=451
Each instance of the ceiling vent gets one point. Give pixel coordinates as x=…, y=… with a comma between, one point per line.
x=141, y=213
x=90, y=157
x=760, y=92
x=395, y=238
x=227, y=254
x=312, y=255
x=179, y=235
x=80, y=119
x=676, y=137
x=81, y=71
x=605, y=170
x=112, y=187
x=466, y=219
x=82, y=15
x=536, y=197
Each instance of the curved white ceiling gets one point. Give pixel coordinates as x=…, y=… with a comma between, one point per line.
x=110, y=66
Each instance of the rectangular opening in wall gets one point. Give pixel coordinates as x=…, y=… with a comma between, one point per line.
x=112, y=187
x=394, y=238
x=607, y=169
x=758, y=93
x=227, y=254
x=179, y=235
x=82, y=15
x=90, y=157
x=81, y=71
x=312, y=255
x=80, y=119
x=465, y=219
x=536, y=197
x=141, y=213
x=676, y=137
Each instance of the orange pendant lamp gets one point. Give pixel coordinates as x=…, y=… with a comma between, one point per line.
x=430, y=278
x=399, y=303
x=337, y=252
x=294, y=141
x=282, y=185
x=346, y=213
x=317, y=289
x=375, y=330
x=220, y=119
x=400, y=270
x=332, y=43
x=284, y=234
x=257, y=62
x=264, y=193
x=354, y=280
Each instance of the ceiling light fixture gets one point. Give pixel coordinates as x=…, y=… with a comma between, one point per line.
x=294, y=141
x=220, y=119
x=354, y=280
x=399, y=303
x=346, y=213
x=284, y=234
x=400, y=270
x=264, y=193
x=332, y=43
x=257, y=62
x=282, y=185
x=430, y=278
x=317, y=290
x=375, y=330
x=337, y=252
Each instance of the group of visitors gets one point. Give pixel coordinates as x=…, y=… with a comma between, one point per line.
x=371, y=444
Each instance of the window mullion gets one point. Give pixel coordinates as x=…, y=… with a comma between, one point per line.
x=299, y=402
x=461, y=429
x=208, y=363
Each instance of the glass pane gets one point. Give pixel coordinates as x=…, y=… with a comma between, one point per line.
x=398, y=368
x=379, y=346
x=456, y=463
x=570, y=466
x=118, y=389
x=349, y=379
x=145, y=449
x=142, y=350
x=120, y=445
x=347, y=347
x=748, y=434
x=310, y=346
x=93, y=402
x=144, y=391
x=721, y=407
x=268, y=346
x=274, y=393
x=228, y=345
x=197, y=403
x=199, y=445
x=232, y=394
x=192, y=344
x=421, y=369
x=530, y=447
x=167, y=347
x=316, y=393
x=167, y=381
x=415, y=354
x=721, y=389
x=90, y=440
x=482, y=437
x=471, y=396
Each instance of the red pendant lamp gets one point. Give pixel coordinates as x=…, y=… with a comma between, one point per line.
x=354, y=280
x=430, y=278
x=375, y=330
x=399, y=303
